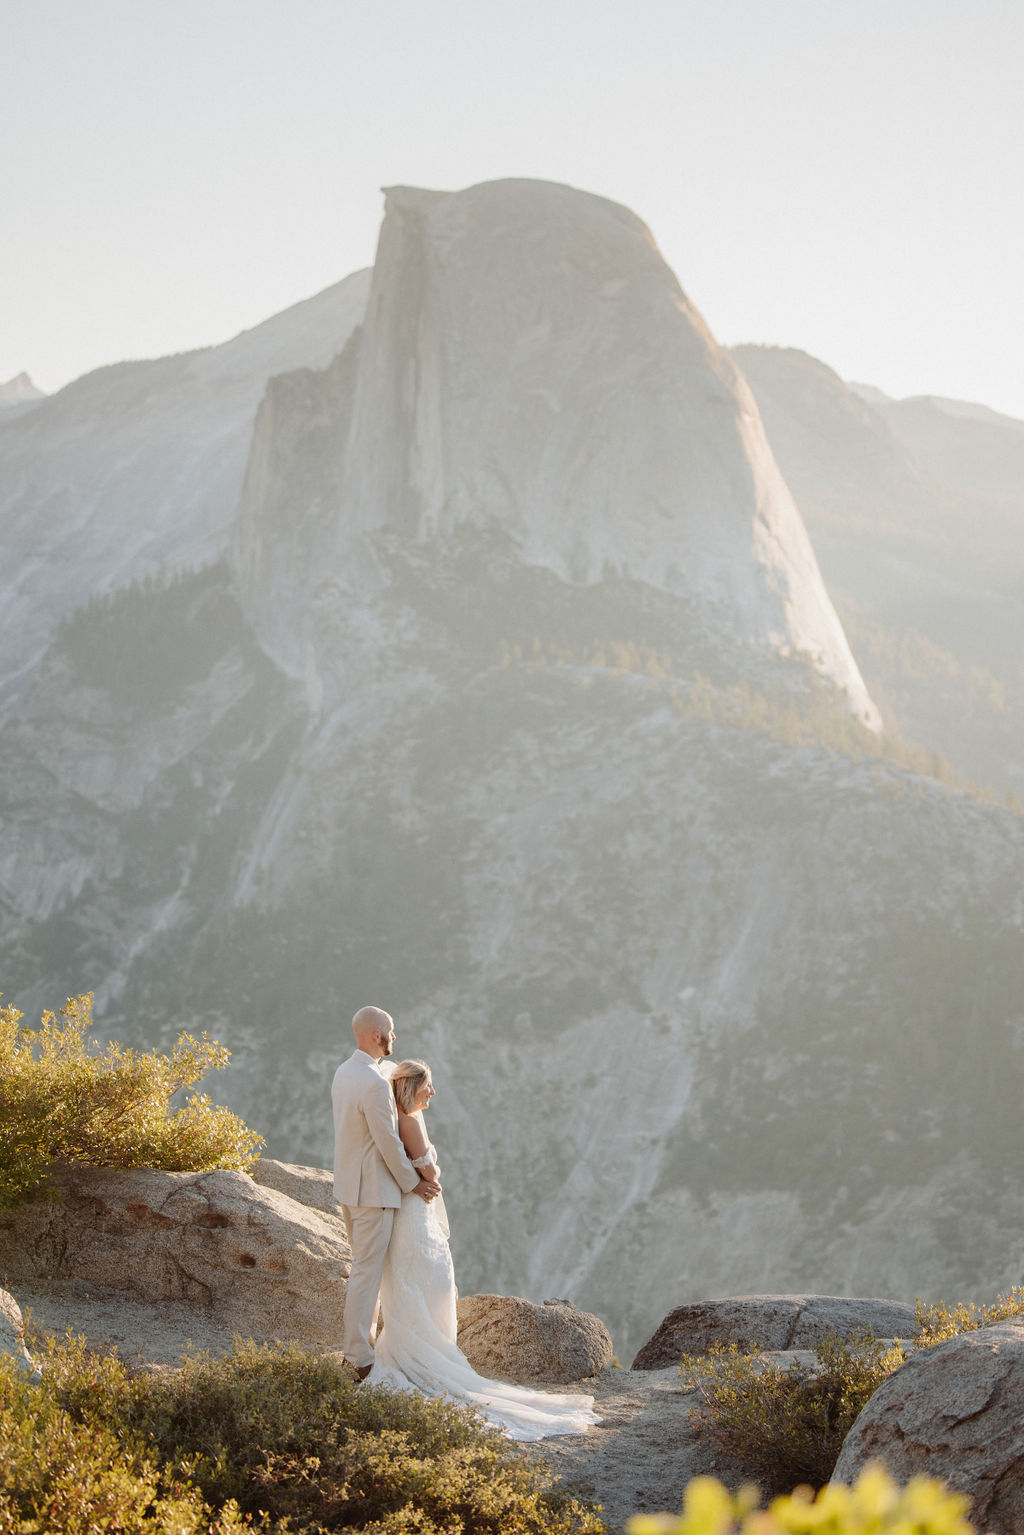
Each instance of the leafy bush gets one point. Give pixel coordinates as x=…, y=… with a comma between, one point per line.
x=61, y=1475
x=873, y=1506
x=936, y=1323
x=64, y=1099
x=786, y=1426
x=288, y=1439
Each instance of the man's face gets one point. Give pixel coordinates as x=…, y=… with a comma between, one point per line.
x=386, y=1039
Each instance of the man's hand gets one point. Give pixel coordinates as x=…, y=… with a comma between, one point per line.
x=427, y=1189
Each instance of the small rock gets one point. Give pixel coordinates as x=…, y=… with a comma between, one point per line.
x=506, y=1337
x=955, y=1410
x=12, y=1336
x=756, y=1322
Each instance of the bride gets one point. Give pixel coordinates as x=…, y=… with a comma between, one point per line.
x=416, y=1350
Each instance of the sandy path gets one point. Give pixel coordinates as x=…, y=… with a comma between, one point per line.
x=642, y=1454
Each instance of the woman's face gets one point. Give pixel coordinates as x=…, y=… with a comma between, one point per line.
x=424, y=1093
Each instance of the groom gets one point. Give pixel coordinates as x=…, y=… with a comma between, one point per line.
x=371, y=1173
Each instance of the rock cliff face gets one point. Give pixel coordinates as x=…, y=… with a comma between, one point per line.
x=915, y=509
x=430, y=735
x=529, y=362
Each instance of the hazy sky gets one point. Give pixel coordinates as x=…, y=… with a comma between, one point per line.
x=845, y=176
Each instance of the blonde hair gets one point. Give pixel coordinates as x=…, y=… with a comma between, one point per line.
x=406, y=1080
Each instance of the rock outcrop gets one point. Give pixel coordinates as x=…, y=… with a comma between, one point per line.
x=529, y=363
x=769, y=1322
x=245, y=1255
x=309, y=1186
x=955, y=1411
x=12, y=1335
x=513, y=1339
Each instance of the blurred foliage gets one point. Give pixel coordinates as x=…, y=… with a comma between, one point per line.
x=874, y=1505
x=64, y=1099
x=282, y=1435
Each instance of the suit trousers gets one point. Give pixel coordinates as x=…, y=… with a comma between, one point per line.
x=369, y=1232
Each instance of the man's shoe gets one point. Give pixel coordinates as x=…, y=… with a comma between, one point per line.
x=363, y=1370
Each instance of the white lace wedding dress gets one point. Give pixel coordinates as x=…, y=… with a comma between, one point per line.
x=416, y=1349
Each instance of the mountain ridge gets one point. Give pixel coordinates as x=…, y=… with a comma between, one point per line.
x=700, y=984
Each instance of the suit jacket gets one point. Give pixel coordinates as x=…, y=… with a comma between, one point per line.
x=370, y=1163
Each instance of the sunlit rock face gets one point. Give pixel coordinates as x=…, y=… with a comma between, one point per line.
x=915, y=509
x=528, y=361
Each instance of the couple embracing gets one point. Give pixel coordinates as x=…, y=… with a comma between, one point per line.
x=387, y=1181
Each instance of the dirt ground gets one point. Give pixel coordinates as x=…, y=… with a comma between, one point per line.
x=644, y=1451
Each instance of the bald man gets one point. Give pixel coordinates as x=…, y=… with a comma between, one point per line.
x=371, y=1173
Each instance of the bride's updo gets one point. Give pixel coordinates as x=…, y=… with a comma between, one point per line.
x=406, y=1080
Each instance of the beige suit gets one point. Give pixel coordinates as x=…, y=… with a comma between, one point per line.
x=371, y=1172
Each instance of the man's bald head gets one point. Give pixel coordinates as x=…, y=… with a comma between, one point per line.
x=374, y=1030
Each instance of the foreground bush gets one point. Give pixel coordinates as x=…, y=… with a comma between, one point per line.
x=873, y=1506
x=73, y=1478
x=281, y=1437
x=786, y=1426
x=62, y=1099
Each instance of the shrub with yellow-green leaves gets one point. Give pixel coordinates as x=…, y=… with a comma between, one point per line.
x=874, y=1505
x=939, y=1321
x=62, y=1476
x=283, y=1439
x=785, y=1425
x=64, y=1099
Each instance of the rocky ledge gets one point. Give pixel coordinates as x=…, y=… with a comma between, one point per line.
x=771, y=1322
x=156, y=1263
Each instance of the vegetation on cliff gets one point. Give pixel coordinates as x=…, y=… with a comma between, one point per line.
x=279, y=1440
x=785, y=1425
x=267, y=1439
x=65, y=1099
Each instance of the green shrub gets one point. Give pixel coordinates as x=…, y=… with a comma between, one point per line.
x=291, y=1441
x=786, y=1425
x=73, y=1478
x=937, y=1322
x=62, y=1099
x=873, y=1506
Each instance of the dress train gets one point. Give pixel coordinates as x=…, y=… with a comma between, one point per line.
x=417, y=1350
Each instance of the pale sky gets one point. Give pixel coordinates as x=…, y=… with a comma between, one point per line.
x=845, y=176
